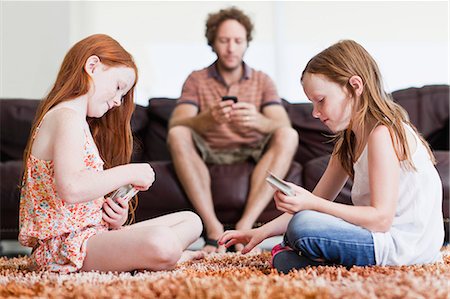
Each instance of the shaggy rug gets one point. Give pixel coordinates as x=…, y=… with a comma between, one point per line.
x=231, y=275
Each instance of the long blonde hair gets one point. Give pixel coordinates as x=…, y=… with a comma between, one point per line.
x=339, y=63
x=112, y=132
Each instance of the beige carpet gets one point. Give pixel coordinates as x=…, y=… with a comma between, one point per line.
x=232, y=276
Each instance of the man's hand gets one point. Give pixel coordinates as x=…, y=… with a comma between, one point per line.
x=221, y=111
x=245, y=117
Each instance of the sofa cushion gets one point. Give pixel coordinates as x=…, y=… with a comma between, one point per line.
x=159, y=111
x=428, y=109
x=229, y=185
x=314, y=137
x=16, y=117
x=10, y=180
x=442, y=166
x=139, y=125
x=313, y=171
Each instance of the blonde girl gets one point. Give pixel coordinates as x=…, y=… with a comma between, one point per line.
x=396, y=217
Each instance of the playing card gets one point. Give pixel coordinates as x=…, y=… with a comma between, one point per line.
x=126, y=192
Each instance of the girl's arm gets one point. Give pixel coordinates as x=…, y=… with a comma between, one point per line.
x=74, y=182
x=384, y=169
x=332, y=180
x=253, y=237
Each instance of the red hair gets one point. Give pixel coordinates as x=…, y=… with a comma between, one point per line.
x=112, y=132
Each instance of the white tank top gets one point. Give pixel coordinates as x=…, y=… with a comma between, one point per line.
x=417, y=232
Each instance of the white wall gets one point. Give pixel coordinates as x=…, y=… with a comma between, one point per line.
x=408, y=39
x=34, y=39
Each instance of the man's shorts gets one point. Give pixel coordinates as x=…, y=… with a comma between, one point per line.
x=229, y=156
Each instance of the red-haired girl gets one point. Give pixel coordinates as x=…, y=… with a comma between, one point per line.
x=79, y=151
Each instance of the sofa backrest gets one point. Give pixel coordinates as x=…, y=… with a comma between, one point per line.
x=17, y=116
x=314, y=137
x=158, y=111
x=16, y=119
x=427, y=106
x=428, y=109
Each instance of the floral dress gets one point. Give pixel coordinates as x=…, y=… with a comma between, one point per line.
x=56, y=230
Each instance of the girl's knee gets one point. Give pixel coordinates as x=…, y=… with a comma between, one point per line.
x=193, y=221
x=196, y=224
x=303, y=224
x=304, y=221
x=161, y=248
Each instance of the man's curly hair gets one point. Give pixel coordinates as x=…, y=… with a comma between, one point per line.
x=232, y=13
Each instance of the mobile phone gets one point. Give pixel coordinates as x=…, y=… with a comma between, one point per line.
x=227, y=98
x=279, y=184
x=127, y=192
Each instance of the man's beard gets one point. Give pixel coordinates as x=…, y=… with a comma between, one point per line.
x=228, y=69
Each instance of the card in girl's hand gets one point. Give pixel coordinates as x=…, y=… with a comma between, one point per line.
x=279, y=184
x=126, y=192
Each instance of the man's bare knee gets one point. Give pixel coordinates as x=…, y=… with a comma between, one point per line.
x=286, y=138
x=179, y=139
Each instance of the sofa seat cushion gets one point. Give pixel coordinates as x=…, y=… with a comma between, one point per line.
x=16, y=117
x=313, y=171
x=229, y=185
x=10, y=180
x=442, y=166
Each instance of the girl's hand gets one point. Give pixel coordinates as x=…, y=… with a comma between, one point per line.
x=303, y=200
x=143, y=174
x=249, y=237
x=115, y=214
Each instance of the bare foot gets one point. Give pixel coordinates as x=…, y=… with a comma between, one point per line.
x=213, y=234
x=238, y=247
x=255, y=249
x=189, y=255
x=212, y=249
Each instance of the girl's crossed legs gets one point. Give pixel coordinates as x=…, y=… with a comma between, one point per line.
x=155, y=244
x=322, y=239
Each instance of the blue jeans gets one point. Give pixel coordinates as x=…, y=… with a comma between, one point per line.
x=326, y=239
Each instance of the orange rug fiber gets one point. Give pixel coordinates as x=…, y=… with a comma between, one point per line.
x=231, y=275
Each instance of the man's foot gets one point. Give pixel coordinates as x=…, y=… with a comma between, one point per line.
x=189, y=255
x=211, y=246
x=255, y=249
x=212, y=233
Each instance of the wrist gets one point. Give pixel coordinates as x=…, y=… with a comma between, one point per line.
x=265, y=125
x=204, y=121
x=314, y=203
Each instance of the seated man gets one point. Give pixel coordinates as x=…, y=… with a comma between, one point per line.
x=207, y=127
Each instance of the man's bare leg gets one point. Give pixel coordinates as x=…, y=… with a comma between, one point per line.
x=277, y=159
x=196, y=181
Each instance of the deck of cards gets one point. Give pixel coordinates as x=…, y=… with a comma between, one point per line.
x=279, y=184
x=126, y=192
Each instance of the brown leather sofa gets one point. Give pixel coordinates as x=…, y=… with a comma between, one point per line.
x=428, y=108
